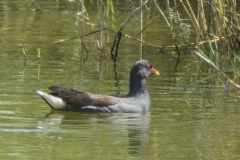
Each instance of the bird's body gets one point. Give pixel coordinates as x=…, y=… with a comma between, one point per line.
x=136, y=101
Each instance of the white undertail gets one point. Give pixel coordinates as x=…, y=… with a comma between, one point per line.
x=54, y=102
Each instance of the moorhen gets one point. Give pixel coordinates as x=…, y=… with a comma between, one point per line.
x=136, y=101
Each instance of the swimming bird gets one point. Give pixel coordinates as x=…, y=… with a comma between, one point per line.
x=136, y=101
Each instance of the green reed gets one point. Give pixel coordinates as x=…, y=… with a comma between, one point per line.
x=217, y=32
x=215, y=23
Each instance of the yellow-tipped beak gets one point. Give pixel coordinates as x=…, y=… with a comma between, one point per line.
x=154, y=71
x=157, y=73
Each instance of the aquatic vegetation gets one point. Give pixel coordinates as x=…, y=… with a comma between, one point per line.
x=217, y=41
x=39, y=53
x=213, y=37
x=24, y=53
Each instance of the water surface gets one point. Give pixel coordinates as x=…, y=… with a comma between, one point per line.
x=189, y=119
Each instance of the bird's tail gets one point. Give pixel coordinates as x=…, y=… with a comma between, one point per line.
x=54, y=102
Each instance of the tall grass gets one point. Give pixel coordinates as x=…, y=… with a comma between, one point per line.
x=217, y=30
x=215, y=23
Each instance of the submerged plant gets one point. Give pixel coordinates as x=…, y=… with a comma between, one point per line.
x=24, y=53
x=39, y=53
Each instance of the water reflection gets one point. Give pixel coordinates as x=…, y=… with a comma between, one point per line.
x=138, y=135
x=136, y=126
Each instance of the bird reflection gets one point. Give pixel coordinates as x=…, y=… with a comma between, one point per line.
x=136, y=125
x=138, y=135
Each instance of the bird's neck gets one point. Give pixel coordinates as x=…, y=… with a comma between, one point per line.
x=137, y=87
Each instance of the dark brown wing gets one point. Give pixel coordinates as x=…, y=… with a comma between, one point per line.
x=80, y=101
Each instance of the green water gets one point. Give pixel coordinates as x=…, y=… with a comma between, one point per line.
x=189, y=119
